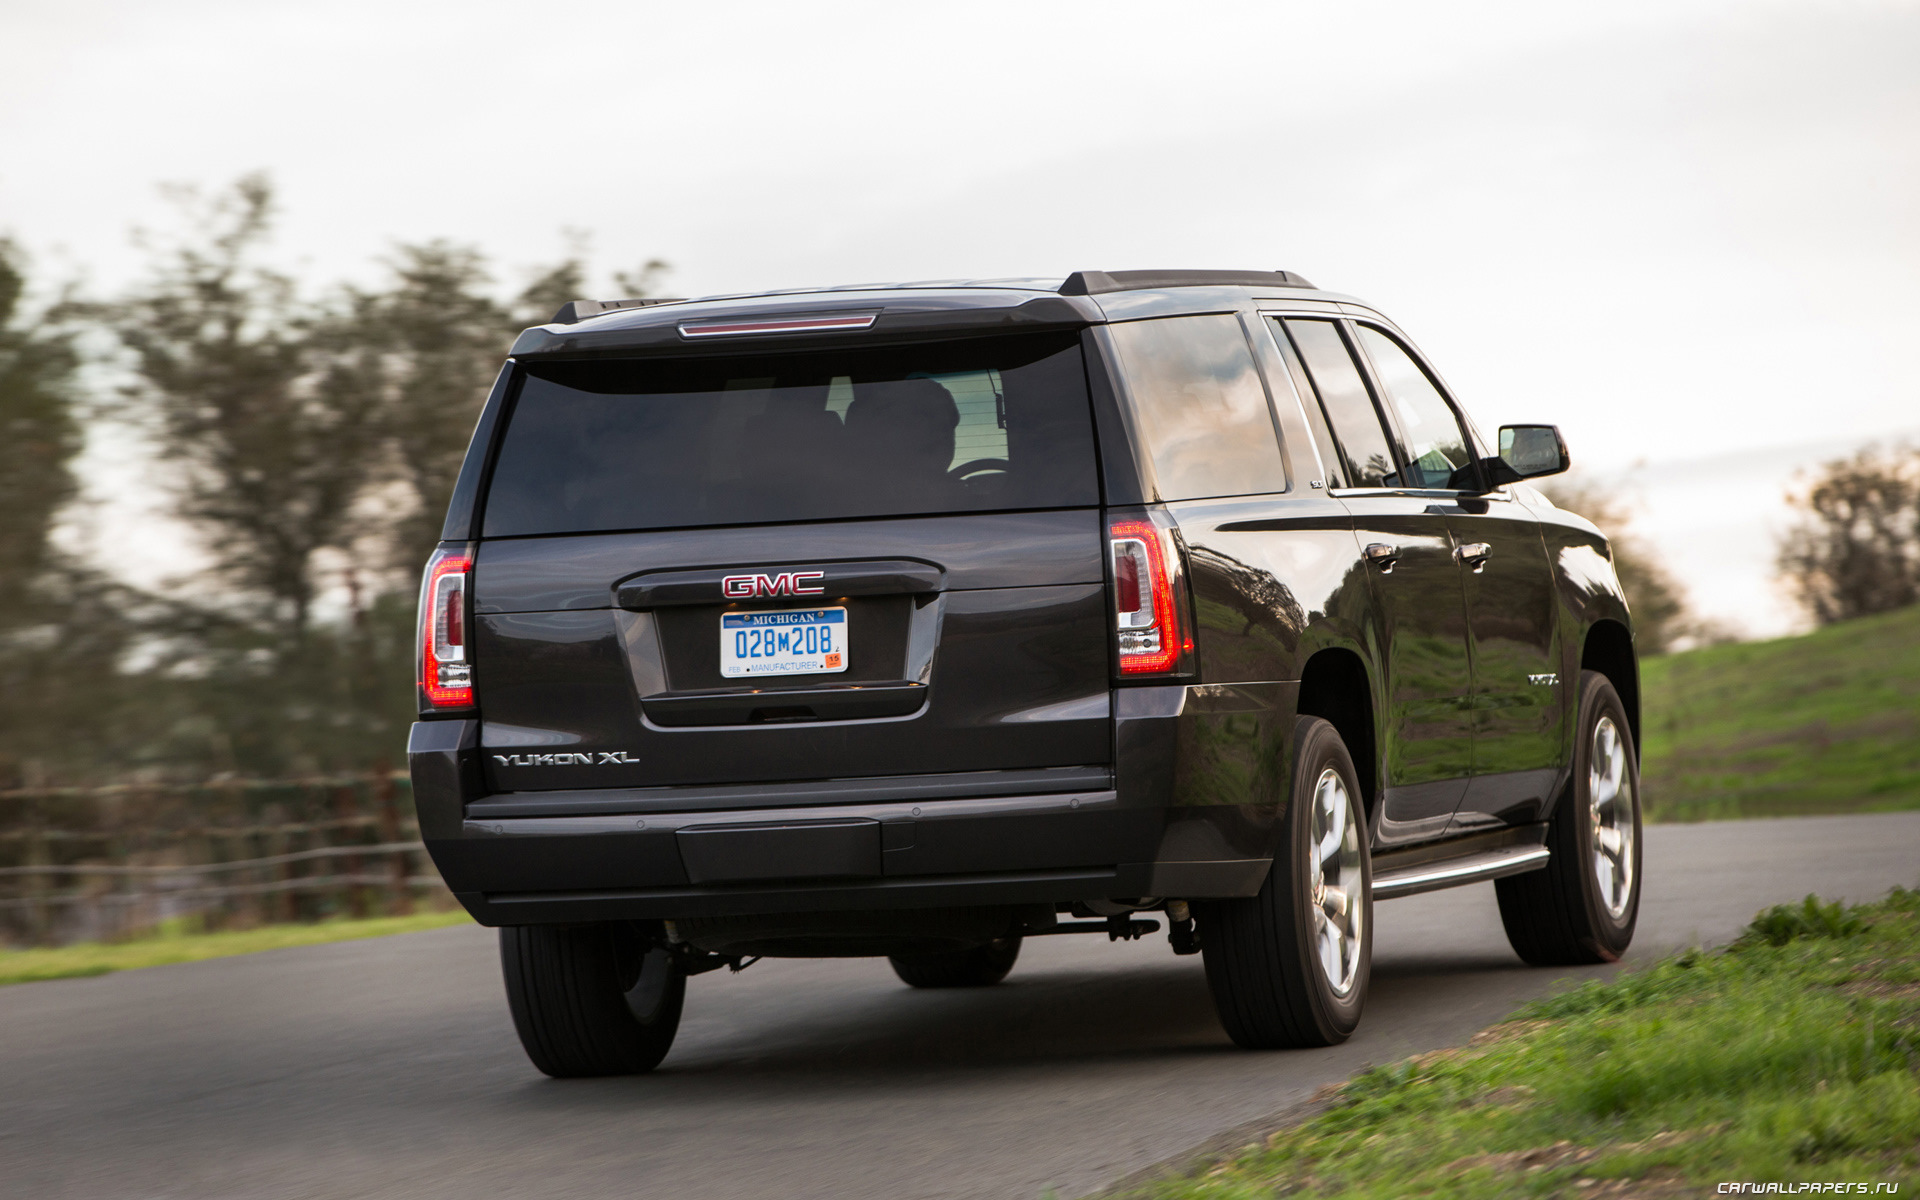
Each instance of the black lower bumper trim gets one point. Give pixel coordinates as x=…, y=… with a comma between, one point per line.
x=931, y=891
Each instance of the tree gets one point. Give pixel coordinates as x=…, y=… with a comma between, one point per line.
x=427, y=346
x=273, y=430
x=1854, y=548
x=548, y=289
x=1658, y=603
x=314, y=444
x=63, y=626
x=274, y=442
x=37, y=398
x=313, y=440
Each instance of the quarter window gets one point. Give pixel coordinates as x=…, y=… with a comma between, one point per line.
x=1200, y=407
x=1435, y=446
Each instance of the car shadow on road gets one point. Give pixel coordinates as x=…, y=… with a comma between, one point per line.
x=1040, y=1018
x=1035, y=1018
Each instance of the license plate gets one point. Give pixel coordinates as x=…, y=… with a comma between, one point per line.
x=808, y=641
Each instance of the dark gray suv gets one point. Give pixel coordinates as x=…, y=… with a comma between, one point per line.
x=917, y=620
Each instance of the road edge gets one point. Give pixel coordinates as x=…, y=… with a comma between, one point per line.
x=1221, y=1146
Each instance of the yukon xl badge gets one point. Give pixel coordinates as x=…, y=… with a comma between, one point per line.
x=600, y=758
x=786, y=583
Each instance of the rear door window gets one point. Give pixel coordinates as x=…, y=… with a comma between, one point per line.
x=1431, y=438
x=980, y=425
x=1200, y=407
x=1365, y=454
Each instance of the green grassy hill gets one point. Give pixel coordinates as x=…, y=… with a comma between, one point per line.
x=1825, y=722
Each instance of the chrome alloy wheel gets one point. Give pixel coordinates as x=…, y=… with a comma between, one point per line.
x=1611, y=802
x=1333, y=864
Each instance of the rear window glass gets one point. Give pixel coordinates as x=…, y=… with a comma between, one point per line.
x=1199, y=406
x=656, y=444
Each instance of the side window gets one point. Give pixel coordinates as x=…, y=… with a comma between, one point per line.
x=1365, y=456
x=1200, y=407
x=1436, y=449
x=1327, y=452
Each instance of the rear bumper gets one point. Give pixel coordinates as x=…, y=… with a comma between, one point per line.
x=1002, y=849
x=633, y=854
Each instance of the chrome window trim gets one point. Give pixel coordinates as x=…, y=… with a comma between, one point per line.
x=1299, y=403
x=1502, y=494
x=1364, y=366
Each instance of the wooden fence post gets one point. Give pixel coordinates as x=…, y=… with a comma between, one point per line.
x=214, y=909
x=279, y=843
x=399, y=893
x=116, y=914
x=39, y=926
x=347, y=803
x=143, y=906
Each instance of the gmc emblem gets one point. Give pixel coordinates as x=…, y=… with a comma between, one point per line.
x=786, y=583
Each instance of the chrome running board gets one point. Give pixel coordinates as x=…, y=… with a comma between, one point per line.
x=1415, y=878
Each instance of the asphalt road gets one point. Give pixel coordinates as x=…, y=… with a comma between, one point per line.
x=389, y=1067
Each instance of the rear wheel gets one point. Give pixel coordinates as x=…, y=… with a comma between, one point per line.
x=1289, y=967
x=1581, y=907
x=591, y=999
x=978, y=967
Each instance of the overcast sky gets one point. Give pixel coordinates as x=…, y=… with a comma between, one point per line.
x=1677, y=229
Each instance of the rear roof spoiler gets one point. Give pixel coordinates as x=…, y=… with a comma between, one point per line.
x=908, y=316
x=1093, y=283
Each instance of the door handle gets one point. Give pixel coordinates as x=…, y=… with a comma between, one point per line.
x=1382, y=555
x=1474, y=554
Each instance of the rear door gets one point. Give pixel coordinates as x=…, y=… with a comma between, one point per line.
x=822, y=562
x=1420, y=633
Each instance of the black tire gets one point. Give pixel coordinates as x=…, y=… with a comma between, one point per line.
x=1263, y=953
x=981, y=966
x=1562, y=915
x=591, y=999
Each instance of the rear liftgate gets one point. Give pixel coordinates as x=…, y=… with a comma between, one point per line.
x=794, y=624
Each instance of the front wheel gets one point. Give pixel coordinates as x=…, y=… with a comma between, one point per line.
x=1581, y=907
x=1289, y=966
x=591, y=999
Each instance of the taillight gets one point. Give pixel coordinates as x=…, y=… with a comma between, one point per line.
x=1150, y=633
x=446, y=671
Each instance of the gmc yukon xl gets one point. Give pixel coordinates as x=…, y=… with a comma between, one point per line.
x=918, y=620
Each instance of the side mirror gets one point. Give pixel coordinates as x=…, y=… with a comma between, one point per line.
x=1527, y=452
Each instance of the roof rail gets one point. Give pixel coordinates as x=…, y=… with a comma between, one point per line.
x=579, y=310
x=1093, y=283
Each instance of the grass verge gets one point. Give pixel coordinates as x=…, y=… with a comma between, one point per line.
x=1825, y=722
x=1791, y=1056
x=175, y=944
